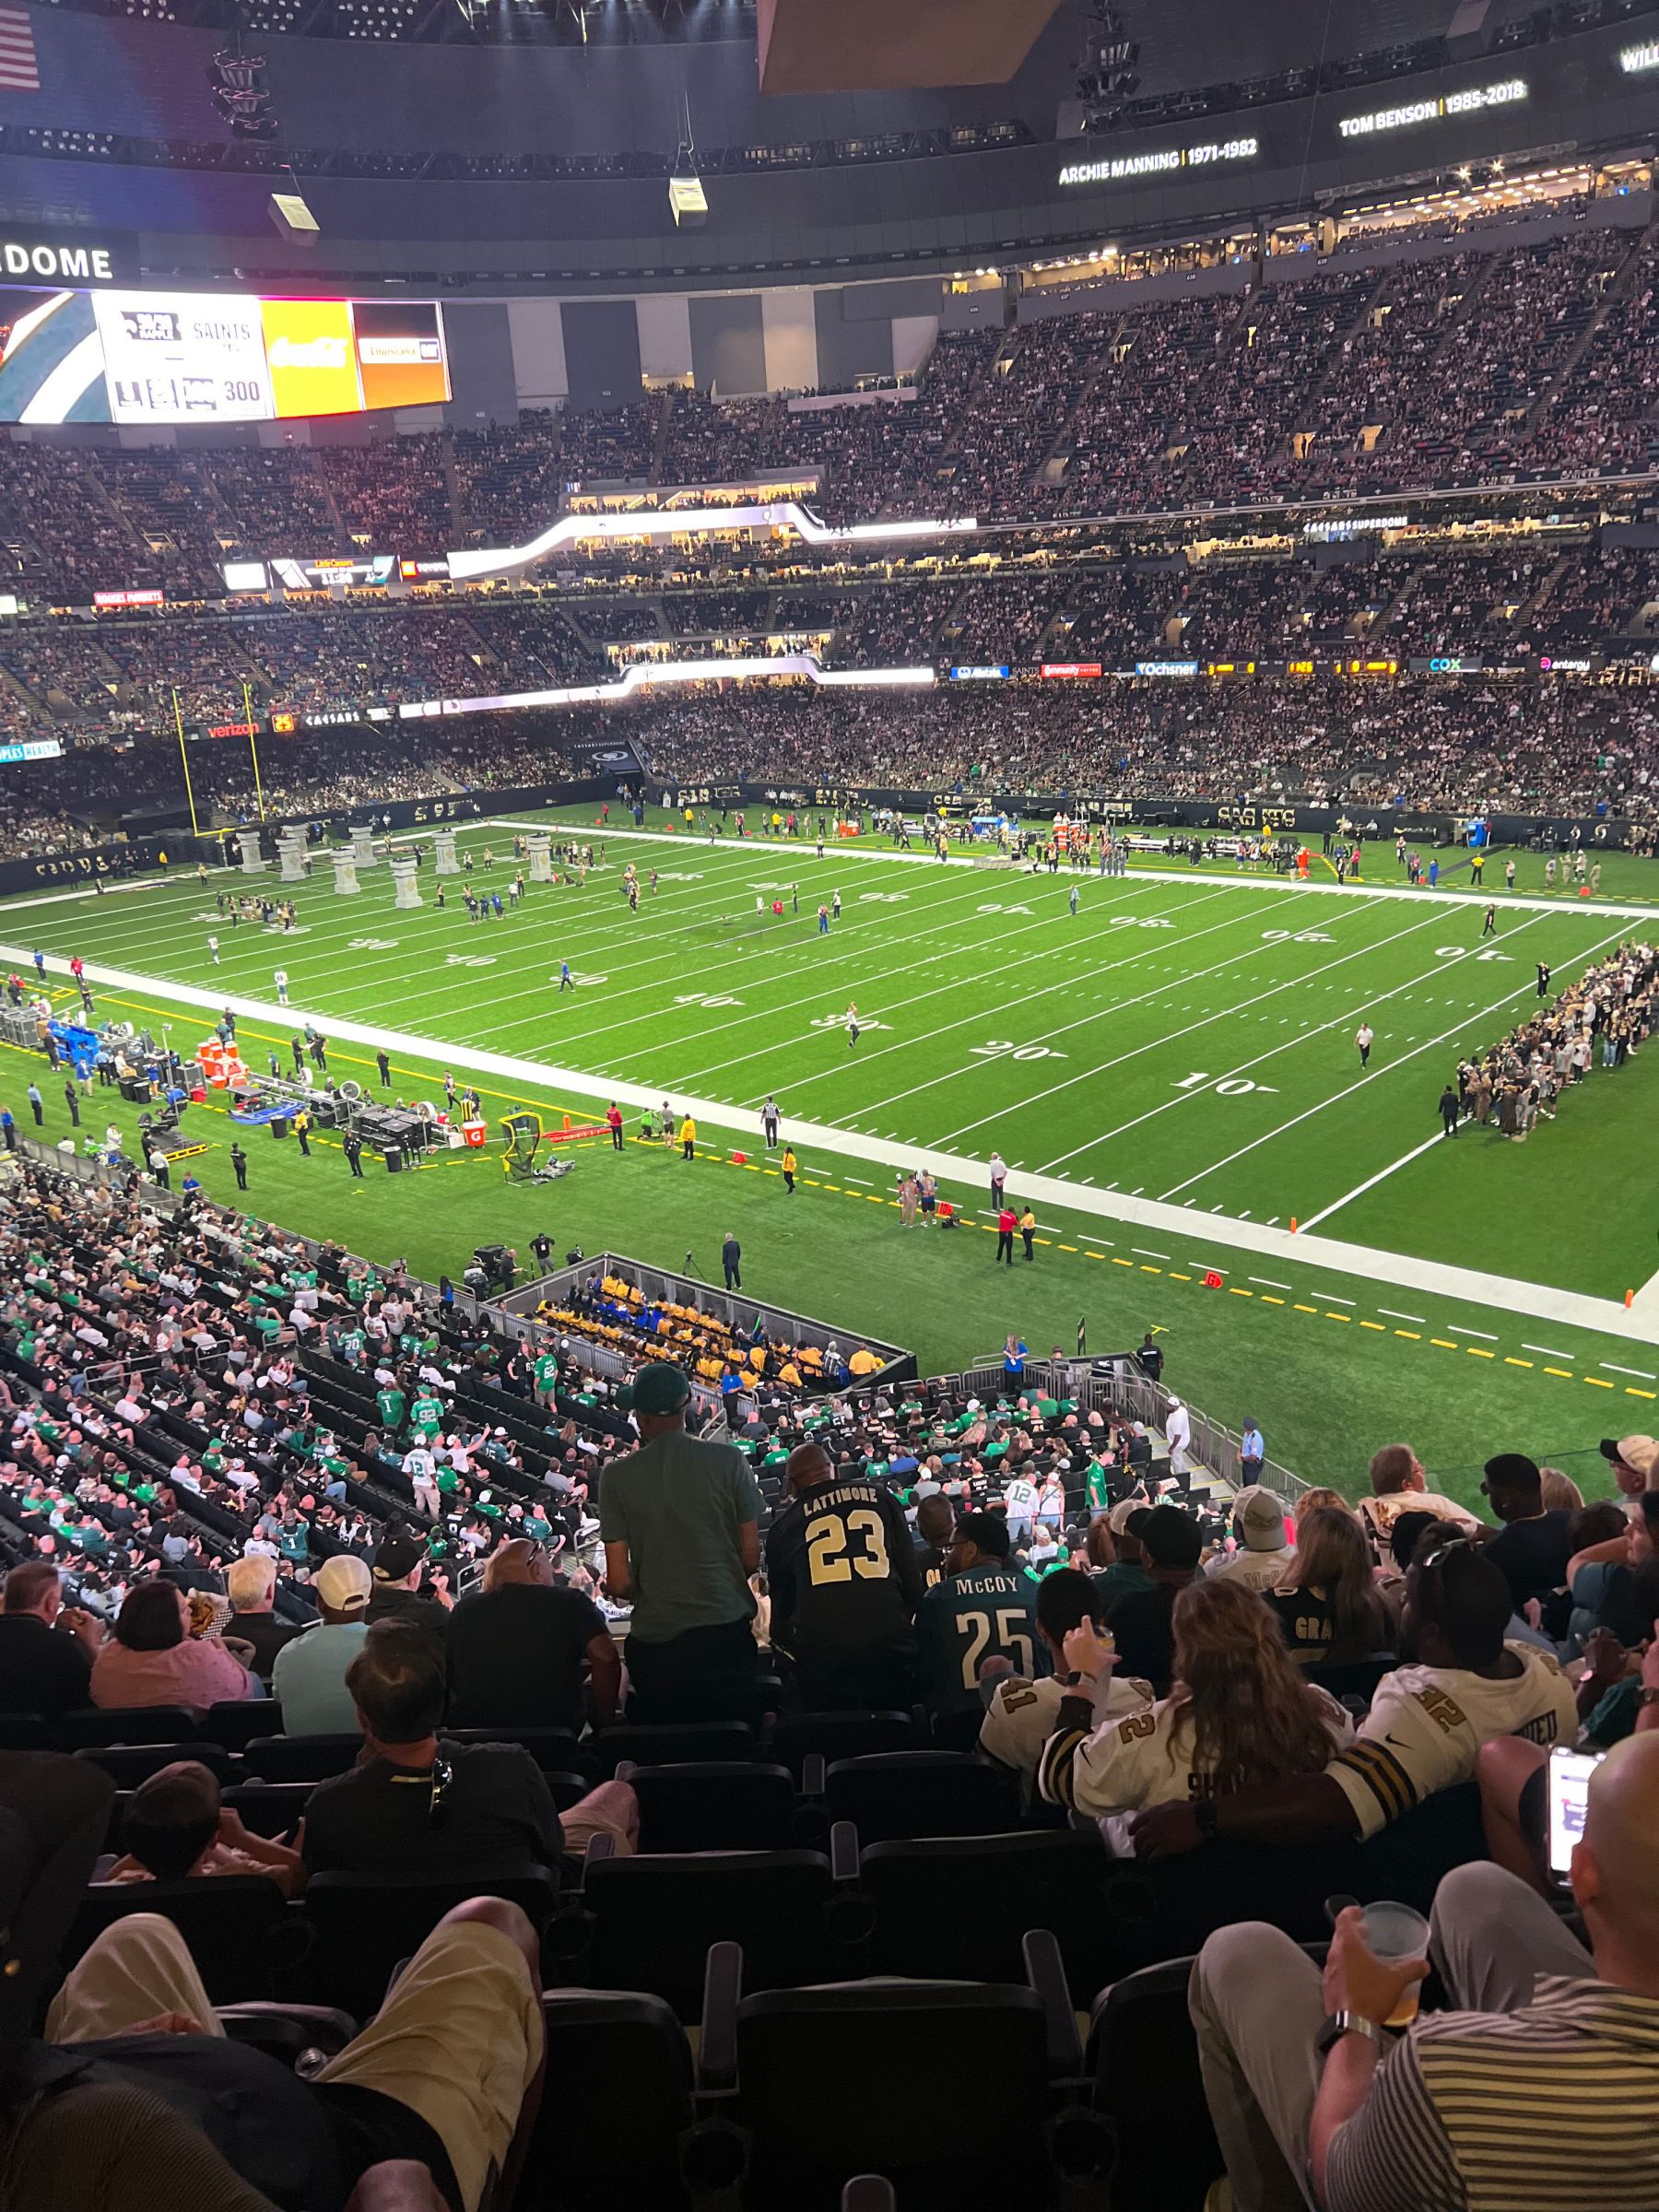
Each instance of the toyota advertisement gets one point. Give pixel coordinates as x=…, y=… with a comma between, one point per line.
x=139, y=357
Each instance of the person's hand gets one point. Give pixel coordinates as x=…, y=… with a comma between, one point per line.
x=1087, y=1654
x=86, y=1628
x=232, y=1832
x=1606, y=1656
x=1355, y=1982
x=1164, y=1830
x=397, y=2185
x=1531, y=1612
x=1650, y=1662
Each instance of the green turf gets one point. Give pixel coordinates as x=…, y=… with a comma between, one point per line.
x=1331, y=1365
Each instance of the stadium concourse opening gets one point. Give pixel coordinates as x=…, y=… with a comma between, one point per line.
x=828, y=1188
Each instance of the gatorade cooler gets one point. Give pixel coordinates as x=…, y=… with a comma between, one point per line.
x=473, y=1135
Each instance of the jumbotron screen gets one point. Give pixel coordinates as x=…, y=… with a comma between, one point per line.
x=212, y=357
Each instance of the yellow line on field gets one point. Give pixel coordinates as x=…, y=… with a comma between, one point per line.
x=1339, y=1317
x=1073, y=1248
x=1117, y=1263
x=1631, y=1392
x=1510, y=1360
x=1564, y=1372
x=1374, y=1324
x=1307, y=1309
x=1595, y=1382
x=1238, y=1293
x=1147, y=1268
x=1475, y=1352
x=1414, y=1335
x=1271, y=1301
x=1445, y=1343
x=1174, y=1277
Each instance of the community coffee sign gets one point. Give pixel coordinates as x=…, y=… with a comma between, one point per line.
x=67, y=257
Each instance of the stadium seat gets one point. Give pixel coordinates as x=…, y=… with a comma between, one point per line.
x=237, y=1723
x=555, y=1750
x=648, y=1923
x=28, y=1731
x=128, y=1725
x=267, y=1809
x=670, y=1744
x=300, y=1757
x=919, y=2045
x=129, y=1764
x=897, y=1794
x=960, y=1906
x=794, y=1737
x=296, y=2036
x=714, y=1804
x=1355, y=1679
x=363, y=1926
x=238, y=1928
x=1144, y=2060
x=1408, y=1859
x=621, y=2060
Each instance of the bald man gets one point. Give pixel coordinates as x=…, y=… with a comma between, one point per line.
x=845, y=1582
x=1537, y=2089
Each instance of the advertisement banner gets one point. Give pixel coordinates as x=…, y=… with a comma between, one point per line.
x=172, y=358
x=309, y=345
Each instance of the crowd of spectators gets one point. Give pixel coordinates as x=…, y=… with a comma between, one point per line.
x=248, y=1481
x=1603, y=1018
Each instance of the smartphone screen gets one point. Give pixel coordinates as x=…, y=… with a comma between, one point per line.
x=1570, y=1773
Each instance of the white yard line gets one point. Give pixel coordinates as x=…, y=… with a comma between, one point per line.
x=1536, y=1301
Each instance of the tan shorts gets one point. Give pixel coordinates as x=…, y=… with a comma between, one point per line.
x=458, y=2040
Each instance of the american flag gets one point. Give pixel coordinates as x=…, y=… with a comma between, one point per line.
x=19, y=71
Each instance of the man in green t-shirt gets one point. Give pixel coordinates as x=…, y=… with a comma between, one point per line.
x=1097, y=1487
x=389, y=1405
x=546, y=1376
x=427, y=1414
x=681, y=1523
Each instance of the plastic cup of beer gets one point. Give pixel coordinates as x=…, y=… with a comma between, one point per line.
x=1395, y=1933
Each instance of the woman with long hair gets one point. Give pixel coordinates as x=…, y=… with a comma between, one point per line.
x=1239, y=1713
x=1326, y=1600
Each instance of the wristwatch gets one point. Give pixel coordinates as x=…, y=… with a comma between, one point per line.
x=1335, y=2025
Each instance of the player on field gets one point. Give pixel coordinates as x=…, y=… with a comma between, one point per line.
x=768, y=1122
x=846, y=1583
x=985, y=1608
x=835, y=904
x=212, y=948
x=567, y=982
x=1489, y=924
x=1072, y=900
x=852, y=1027
x=1364, y=1037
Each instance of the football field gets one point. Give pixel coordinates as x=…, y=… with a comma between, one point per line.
x=1173, y=1063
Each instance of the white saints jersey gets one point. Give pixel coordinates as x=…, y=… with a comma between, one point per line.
x=1427, y=1724
x=1021, y=1716
x=1143, y=1756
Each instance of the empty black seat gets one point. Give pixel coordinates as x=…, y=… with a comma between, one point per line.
x=555, y=1750
x=670, y=1744
x=714, y=1805
x=301, y=1758
x=896, y=1794
x=1143, y=2057
x=128, y=1725
x=269, y=1808
x=795, y=1736
x=238, y=1722
x=914, y=2045
x=235, y=1927
x=960, y=1906
x=129, y=1764
x=647, y=1924
x=620, y=2061
x=365, y=1924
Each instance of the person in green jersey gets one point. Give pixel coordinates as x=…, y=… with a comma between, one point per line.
x=546, y=1376
x=390, y=1404
x=426, y=1413
x=985, y=1607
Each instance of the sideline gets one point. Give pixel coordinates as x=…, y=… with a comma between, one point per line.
x=1534, y=1301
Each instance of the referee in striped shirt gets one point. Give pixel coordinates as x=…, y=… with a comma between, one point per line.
x=1537, y=2093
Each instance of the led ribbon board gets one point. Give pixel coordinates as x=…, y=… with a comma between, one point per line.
x=645, y=675
x=689, y=522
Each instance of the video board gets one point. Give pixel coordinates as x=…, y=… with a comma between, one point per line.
x=154, y=358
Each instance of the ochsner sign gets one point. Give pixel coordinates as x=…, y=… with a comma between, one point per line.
x=48, y=258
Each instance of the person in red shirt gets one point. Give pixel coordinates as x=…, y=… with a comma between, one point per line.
x=1006, y=1222
x=613, y=1122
